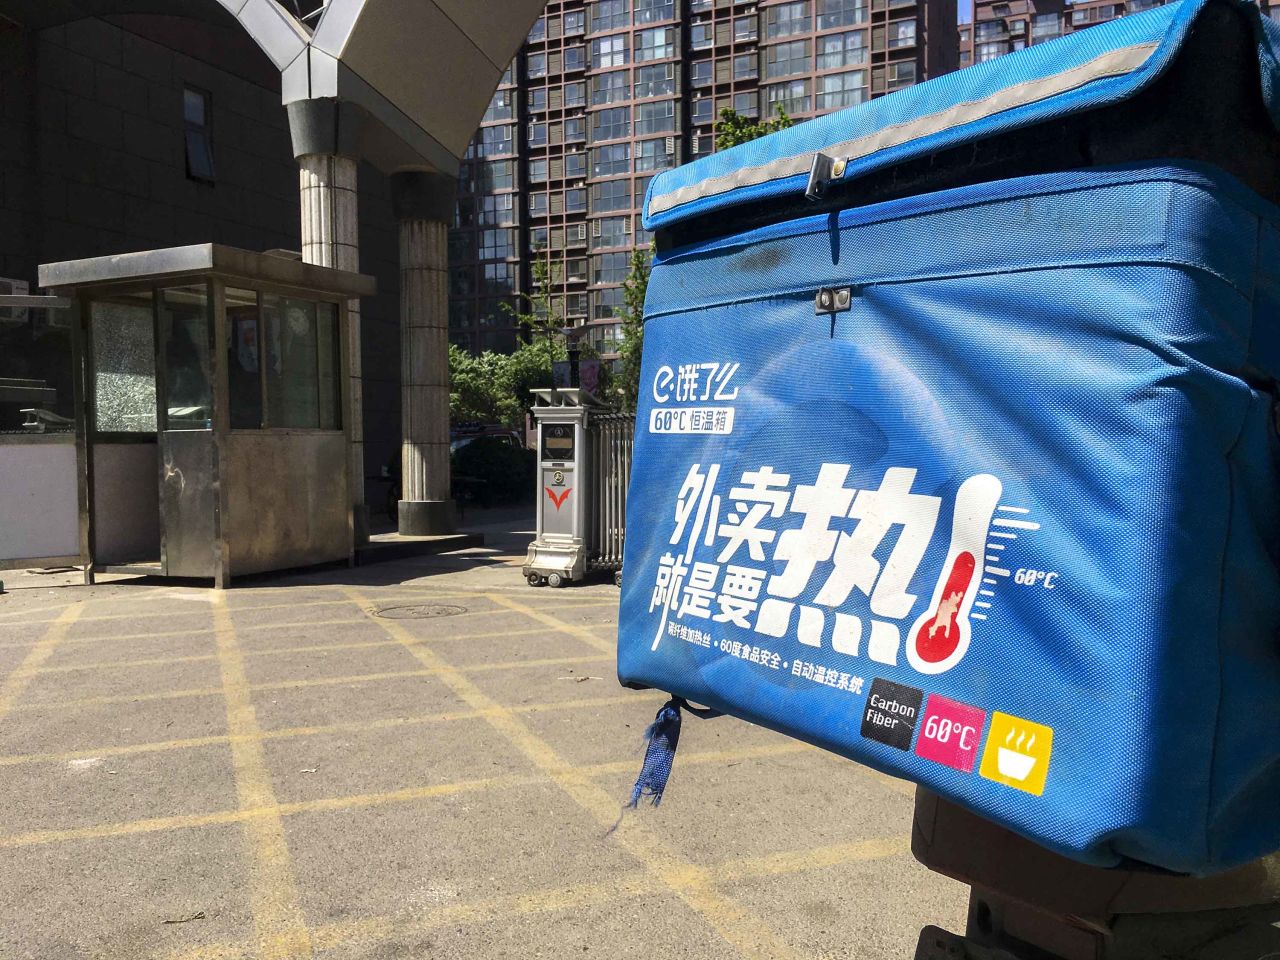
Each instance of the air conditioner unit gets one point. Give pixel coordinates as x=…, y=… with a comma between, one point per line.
x=595, y=228
x=15, y=316
x=670, y=143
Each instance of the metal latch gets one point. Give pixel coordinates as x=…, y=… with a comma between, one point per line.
x=833, y=300
x=823, y=172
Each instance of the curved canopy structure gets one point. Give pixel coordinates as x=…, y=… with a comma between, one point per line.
x=425, y=70
x=422, y=71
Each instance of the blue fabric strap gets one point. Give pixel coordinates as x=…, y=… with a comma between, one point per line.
x=663, y=736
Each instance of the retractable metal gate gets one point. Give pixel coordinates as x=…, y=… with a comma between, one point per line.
x=612, y=435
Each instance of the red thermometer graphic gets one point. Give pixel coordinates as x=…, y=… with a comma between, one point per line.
x=939, y=639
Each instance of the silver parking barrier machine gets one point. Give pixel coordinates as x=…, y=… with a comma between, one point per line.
x=584, y=463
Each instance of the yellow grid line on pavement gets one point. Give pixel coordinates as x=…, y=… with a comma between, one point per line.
x=314, y=682
x=350, y=726
x=283, y=651
x=17, y=682
x=278, y=920
x=348, y=802
x=580, y=631
x=371, y=932
x=689, y=882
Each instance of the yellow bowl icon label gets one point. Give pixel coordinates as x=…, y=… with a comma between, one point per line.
x=1017, y=753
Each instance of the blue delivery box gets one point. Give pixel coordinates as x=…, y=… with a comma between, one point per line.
x=957, y=448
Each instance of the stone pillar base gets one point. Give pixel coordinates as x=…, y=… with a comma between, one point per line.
x=427, y=518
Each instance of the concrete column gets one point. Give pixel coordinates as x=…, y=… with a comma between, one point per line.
x=330, y=238
x=423, y=204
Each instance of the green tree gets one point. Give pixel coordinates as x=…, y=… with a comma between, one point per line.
x=733, y=128
x=494, y=387
x=542, y=318
x=634, y=288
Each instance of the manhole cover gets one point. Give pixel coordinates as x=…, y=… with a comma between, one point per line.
x=421, y=611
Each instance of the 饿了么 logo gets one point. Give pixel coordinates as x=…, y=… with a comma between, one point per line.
x=750, y=557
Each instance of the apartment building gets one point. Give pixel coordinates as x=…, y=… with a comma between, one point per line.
x=607, y=94
x=1002, y=26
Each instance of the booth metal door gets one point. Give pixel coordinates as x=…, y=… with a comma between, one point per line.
x=188, y=479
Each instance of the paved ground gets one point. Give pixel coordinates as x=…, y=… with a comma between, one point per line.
x=281, y=772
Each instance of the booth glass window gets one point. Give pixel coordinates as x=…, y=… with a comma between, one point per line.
x=328, y=366
x=124, y=364
x=184, y=323
x=300, y=394
x=244, y=373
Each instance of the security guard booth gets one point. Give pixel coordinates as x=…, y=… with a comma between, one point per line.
x=212, y=416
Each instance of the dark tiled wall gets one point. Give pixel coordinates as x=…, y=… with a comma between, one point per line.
x=93, y=162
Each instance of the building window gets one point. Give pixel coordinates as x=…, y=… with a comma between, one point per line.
x=655, y=154
x=611, y=195
x=656, y=43
x=539, y=237
x=902, y=33
x=841, y=13
x=501, y=107
x=1044, y=26
x=786, y=59
x=655, y=81
x=989, y=51
x=196, y=110
x=538, y=171
x=538, y=32
x=575, y=59
x=990, y=30
x=700, y=111
x=574, y=23
x=700, y=73
x=837, y=90
x=610, y=232
x=746, y=104
x=745, y=28
x=496, y=209
x=499, y=278
x=793, y=97
x=609, y=88
x=703, y=144
x=575, y=200
x=462, y=281
x=838, y=50
x=537, y=65
x=538, y=204
x=701, y=36
x=787, y=19
x=494, y=140
x=537, y=100
x=609, y=52
x=746, y=66
x=575, y=304
x=537, y=134
x=575, y=130
x=608, y=15
x=495, y=175
x=611, y=124
x=902, y=74
x=606, y=303
x=656, y=117
x=606, y=161
x=575, y=94
x=654, y=11
x=497, y=244
x=575, y=165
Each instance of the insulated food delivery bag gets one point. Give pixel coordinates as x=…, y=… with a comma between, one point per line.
x=957, y=449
